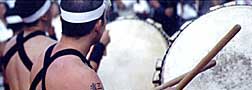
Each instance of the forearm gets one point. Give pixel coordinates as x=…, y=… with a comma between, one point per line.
x=96, y=55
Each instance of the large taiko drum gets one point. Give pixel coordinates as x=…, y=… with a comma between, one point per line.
x=234, y=65
x=131, y=55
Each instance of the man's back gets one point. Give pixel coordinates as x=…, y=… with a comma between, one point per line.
x=67, y=72
x=64, y=66
x=16, y=73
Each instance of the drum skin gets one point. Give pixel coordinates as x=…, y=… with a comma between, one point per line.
x=234, y=65
x=131, y=56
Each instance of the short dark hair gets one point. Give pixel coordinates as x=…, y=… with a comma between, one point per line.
x=14, y=26
x=26, y=8
x=77, y=30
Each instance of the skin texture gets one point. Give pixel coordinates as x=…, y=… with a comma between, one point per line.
x=170, y=88
x=2, y=11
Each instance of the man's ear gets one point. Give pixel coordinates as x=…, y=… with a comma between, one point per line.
x=46, y=16
x=98, y=26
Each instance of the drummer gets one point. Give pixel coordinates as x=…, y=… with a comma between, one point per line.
x=23, y=49
x=83, y=23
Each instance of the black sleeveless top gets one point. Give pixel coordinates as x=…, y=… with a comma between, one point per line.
x=48, y=59
x=19, y=47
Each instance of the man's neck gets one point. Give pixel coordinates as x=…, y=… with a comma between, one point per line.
x=83, y=44
x=38, y=27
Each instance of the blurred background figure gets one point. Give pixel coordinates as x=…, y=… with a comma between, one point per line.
x=142, y=9
x=245, y=2
x=55, y=11
x=124, y=7
x=2, y=26
x=112, y=14
x=165, y=13
x=132, y=8
x=187, y=10
x=56, y=23
x=5, y=34
x=203, y=6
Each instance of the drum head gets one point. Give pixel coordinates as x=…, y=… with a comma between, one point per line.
x=131, y=56
x=233, y=70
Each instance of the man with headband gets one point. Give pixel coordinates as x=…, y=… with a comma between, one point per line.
x=23, y=49
x=64, y=66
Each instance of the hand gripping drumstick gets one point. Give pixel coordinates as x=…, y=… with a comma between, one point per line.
x=208, y=57
x=177, y=79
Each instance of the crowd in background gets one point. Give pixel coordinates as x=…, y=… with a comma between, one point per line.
x=171, y=14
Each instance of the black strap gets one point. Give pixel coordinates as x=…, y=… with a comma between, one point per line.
x=8, y=55
x=6, y=86
x=19, y=47
x=48, y=60
x=38, y=77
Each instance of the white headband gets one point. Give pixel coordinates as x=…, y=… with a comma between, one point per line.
x=13, y=19
x=83, y=17
x=38, y=13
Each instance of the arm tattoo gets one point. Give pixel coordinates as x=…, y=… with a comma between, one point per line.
x=96, y=86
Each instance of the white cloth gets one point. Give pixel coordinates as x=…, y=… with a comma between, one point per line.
x=4, y=33
x=83, y=17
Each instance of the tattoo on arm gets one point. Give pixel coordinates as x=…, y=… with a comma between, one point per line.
x=96, y=86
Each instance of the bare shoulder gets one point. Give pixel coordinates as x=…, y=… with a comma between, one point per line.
x=7, y=45
x=44, y=39
x=69, y=73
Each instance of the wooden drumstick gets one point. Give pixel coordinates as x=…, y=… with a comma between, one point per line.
x=208, y=57
x=177, y=79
